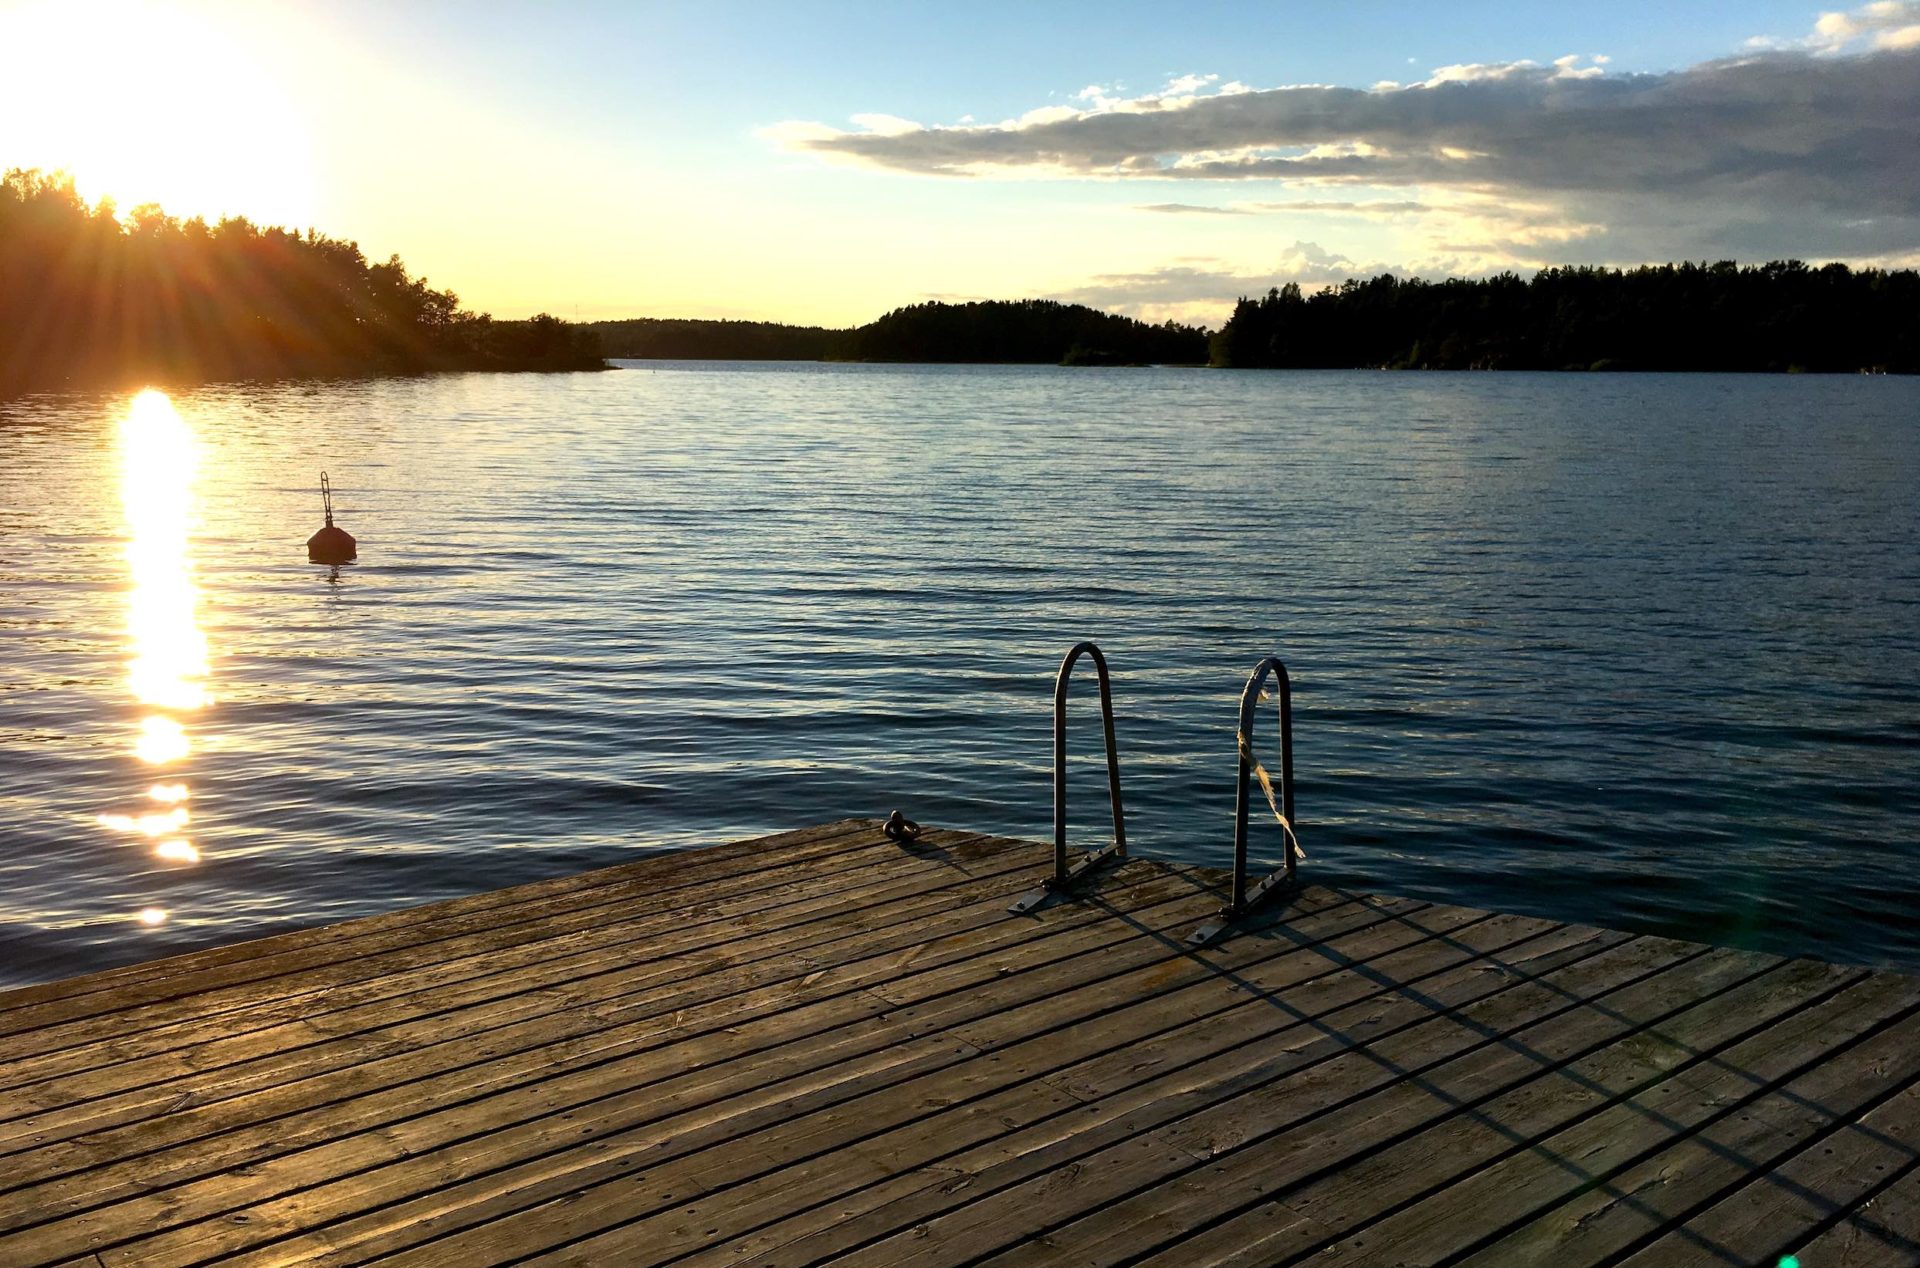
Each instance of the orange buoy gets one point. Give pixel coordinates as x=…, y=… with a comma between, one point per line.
x=330, y=545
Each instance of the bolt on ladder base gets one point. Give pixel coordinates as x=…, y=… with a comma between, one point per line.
x=1229, y=914
x=1060, y=884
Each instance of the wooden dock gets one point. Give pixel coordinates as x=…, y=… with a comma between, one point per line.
x=824, y=1046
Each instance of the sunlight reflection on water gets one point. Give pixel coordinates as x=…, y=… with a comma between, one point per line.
x=1633, y=650
x=167, y=668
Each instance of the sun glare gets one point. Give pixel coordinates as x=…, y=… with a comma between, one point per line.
x=167, y=663
x=159, y=459
x=148, y=103
x=176, y=851
x=152, y=825
x=162, y=740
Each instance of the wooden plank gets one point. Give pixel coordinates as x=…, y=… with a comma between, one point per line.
x=1540, y=1170
x=199, y=1105
x=601, y=994
x=1450, y=970
x=413, y=1156
x=1704, y=1141
x=464, y=962
x=1774, y=1210
x=595, y=977
x=1476, y=1165
x=1019, y=1044
x=1192, y=1168
x=811, y=1158
x=788, y=969
x=538, y=1086
x=1882, y=1233
x=470, y=937
x=33, y=1007
x=656, y=867
x=823, y=1045
x=1017, y=1187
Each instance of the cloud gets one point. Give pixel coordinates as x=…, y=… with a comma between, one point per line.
x=1201, y=292
x=1378, y=207
x=1888, y=24
x=1171, y=291
x=1190, y=209
x=1369, y=207
x=1833, y=129
x=1186, y=85
x=1806, y=150
x=1567, y=67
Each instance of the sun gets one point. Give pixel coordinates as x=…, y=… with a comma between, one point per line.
x=146, y=103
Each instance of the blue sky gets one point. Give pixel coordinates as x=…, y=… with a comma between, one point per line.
x=702, y=78
x=748, y=64
x=825, y=162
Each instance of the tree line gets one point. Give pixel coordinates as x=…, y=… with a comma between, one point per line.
x=91, y=299
x=1028, y=331
x=694, y=339
x=1781, y=316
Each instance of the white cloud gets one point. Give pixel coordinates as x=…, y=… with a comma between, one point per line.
x=1363, y=207
x=1100, y=96
x=1802, y=151
x=1475, y=72
x=1187, y=85
x=1884, y=24
x=1369, y=208
x=1190, y=209
x=1202, y=291
x=1569, y=67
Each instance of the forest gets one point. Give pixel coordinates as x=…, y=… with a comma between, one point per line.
x=694, y=339
x=1783, y=316
x=1035, y=331
x=90, y=299
x=93, y=299
x=1038, y=331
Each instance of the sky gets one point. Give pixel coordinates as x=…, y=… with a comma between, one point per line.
x=823, y=163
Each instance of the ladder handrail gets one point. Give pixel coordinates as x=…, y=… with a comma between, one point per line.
x=1244, y=901
x=1060, y=683
x=1249, y=703
x=1063, y=876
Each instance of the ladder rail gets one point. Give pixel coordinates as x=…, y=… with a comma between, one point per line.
x=1244, y=900
x=1060, y=683
x=1063, y=875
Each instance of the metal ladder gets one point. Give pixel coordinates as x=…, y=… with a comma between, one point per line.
x=1064, y=877
x=1245, y=900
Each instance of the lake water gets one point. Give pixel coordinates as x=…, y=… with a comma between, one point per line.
x=1635, y=650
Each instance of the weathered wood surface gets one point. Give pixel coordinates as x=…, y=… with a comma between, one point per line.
x=825, y=1046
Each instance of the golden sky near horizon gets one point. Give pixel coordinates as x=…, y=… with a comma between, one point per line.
x=826, y=162
x=274, y=113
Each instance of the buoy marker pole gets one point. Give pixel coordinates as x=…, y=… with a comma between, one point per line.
x=330, y=545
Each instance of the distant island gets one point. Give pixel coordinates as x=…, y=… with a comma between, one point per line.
x=1025, y=331
x=1783, y=316
x=91, y=301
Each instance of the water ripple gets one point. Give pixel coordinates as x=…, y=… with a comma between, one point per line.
x=1631, y=650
